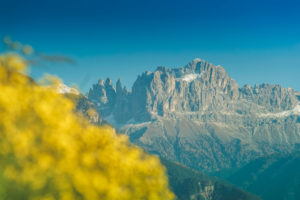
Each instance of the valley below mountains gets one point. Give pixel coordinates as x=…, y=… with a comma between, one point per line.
x=273, y=177
x=199, y=116
x=188, y=184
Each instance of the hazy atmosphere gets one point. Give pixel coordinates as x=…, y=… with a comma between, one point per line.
x=150, y=100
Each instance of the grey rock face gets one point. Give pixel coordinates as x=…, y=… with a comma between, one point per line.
x=85, y=108
x=199, y=116
x=272, y=97
x=83, y=105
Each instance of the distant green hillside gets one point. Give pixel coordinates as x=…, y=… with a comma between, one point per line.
x=188, y=184
x=276, y=177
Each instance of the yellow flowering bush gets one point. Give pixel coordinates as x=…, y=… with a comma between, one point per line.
x=48, y=152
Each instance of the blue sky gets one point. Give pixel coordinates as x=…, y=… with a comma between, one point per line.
x=255, y=41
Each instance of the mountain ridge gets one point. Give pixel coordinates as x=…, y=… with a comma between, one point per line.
x=199, y=116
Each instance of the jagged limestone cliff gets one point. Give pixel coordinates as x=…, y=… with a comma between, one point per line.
x=199, y=116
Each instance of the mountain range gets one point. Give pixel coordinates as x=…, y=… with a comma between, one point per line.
x=185, y=183
x=199, y=116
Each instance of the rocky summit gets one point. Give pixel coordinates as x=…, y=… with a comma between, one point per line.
x=199, y=116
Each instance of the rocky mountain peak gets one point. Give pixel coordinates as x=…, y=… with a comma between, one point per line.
x=119, y=86
x=161, y=68
x=108, y=83
x=198, y=66
x=197, y=86
x=198, y=115
x=101, y=82
x=194, y=65
x=272, y=97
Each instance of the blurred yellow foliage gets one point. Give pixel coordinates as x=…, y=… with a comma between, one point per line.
x=91, y=112
x=27, y=50
x=48, y=152
x=17, y=46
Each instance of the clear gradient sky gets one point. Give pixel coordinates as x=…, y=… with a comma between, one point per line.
x=256, y=41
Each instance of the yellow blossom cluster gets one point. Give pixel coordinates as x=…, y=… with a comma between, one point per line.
x=48, y=152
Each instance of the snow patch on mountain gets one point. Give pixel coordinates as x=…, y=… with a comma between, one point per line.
x=197, y=60
x=64, y=89
x=294, y=111
x=189, y=77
